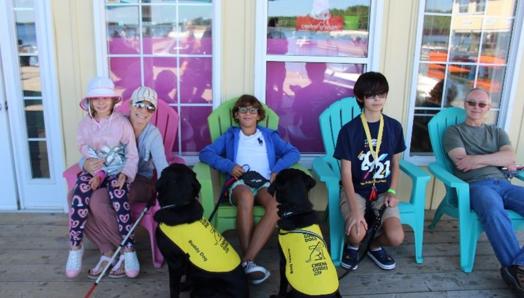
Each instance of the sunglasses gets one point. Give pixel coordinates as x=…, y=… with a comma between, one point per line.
x=376, y=96
x=250, y=110
x=472, y=104
x=144, y=105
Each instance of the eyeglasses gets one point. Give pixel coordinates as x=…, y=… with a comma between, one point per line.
x=376, y=96
x=250, y=110
x=144, y=105
x=472, y=104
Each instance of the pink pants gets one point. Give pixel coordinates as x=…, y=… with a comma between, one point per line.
x=101, y=227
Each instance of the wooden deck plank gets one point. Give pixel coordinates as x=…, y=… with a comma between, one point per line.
x=33, y=250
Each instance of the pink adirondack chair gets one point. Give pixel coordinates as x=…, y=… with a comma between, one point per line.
x=166, y=119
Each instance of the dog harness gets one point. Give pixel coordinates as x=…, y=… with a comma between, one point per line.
x=206, y=247
x=309, y=268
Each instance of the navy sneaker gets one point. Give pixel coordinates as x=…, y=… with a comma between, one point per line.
x=382, y=259
x=514, y=277
x=349, y=258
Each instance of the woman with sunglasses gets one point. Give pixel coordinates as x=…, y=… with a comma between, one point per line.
x=479, y=153
x=101, y=228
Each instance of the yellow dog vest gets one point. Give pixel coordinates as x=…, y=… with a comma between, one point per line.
x=309, y=268
x=207, y=248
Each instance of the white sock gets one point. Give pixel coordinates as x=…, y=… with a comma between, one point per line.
x=353, y=247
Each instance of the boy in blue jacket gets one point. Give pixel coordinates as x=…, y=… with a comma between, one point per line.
x=250, y=147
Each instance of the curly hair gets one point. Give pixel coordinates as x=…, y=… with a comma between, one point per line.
x=247, y=100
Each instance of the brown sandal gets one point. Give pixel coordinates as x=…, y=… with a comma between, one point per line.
x=95, y=272
x=118, y=270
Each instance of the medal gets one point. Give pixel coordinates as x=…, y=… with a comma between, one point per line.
x=373, y=195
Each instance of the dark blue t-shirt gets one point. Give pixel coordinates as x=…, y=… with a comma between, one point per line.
x=352, y=145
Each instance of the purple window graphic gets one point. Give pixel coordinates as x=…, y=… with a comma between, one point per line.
x=299, y=92
x=313, y=32
x=166, y=46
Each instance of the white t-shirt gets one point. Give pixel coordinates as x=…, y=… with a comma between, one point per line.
x=253, y=152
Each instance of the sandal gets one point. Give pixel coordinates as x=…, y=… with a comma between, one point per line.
x=95, y=272
x=118, y=270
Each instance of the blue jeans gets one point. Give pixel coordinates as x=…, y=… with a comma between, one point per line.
x=489, y=198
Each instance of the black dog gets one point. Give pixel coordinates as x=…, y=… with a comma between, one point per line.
x=305, y=264
x=190, y=244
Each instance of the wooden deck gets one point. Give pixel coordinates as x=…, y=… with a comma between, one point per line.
x=33, y=251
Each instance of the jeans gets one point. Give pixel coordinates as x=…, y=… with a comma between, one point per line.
x=489, y=198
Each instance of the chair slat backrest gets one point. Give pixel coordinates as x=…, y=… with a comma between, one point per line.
x=437, y=127
x=222, y=118
x=165, y=119
x=333, y=118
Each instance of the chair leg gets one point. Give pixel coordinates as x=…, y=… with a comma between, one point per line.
x=418, y=233
x=438, y=215
x=336, y=233
x=150, y=225
x=468, y=246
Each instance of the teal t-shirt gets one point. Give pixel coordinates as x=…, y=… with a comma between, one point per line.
x=476, y=140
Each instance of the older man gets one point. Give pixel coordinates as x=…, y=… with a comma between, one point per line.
x=479, y=152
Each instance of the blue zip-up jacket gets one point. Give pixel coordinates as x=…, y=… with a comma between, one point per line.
x=221, y=154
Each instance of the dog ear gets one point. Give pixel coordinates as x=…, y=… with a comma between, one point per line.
x=272, y=188
x=196, y=186
x=309, y=181
x=161, y=183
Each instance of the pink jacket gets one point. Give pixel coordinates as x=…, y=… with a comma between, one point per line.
x=110, y=132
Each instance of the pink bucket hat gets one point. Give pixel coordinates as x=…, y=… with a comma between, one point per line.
x=99, y=87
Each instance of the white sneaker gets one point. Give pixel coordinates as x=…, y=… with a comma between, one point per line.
x=74, y=262
x=256, y=274
x=132, y=266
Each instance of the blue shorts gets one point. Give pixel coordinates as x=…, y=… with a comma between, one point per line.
x=254, y=191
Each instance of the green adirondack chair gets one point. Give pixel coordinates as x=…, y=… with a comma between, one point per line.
x=219, y=121
x=456, y=201
x=327, y=170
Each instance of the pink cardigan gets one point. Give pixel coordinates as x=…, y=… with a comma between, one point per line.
x=110, y=132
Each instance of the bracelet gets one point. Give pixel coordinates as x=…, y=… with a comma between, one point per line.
x=392, y=191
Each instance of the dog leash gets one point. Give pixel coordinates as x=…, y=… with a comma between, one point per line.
x=369, y=237
x=224, y=192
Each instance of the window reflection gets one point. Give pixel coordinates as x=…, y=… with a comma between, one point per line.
x=479, y=34
x=122, y=29
x=318, y=28
x=167, y=46
x=299, y=92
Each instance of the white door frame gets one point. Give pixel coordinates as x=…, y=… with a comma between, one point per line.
x=9, y=198
x=48, y=193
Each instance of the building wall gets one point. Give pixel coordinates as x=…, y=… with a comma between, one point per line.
x=75, y=46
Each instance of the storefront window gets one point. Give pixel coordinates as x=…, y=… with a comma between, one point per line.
x=465, y=44
x=165, y=45
x=316, y=50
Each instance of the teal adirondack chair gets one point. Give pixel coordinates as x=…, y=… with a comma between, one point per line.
x=327, y=170
x=219, y=121
x=456, y=201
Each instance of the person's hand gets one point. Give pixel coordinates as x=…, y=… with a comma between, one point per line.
x=273, y=177
x=466, y=163
x=237, y=171
x=512, y=167
x=93, y=165
x=390, y=200
x=94, y=182
x=121, y=180
x=357, y=221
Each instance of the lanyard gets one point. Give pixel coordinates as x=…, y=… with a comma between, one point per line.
x=375, y=152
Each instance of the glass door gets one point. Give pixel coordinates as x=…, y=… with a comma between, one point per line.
x=33, y=114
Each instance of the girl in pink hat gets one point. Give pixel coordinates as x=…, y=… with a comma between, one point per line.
x=105, y=135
